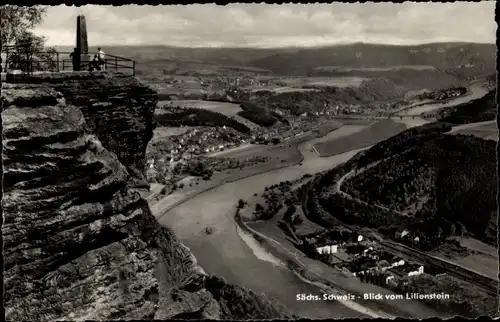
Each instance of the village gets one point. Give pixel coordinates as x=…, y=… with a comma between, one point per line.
x=444, y=94
x=188, y=153
x=200, y=140
x=366, y=259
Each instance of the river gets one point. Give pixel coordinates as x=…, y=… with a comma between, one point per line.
x=225, y=253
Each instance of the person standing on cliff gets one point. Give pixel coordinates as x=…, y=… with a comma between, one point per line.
x=100, y=57
x=75, y=58
x=94, y=64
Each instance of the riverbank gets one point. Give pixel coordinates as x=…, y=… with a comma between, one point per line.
x=277, y=243
x=291, y=150
x=222, y=252
x=284, y=259
x=183, y=195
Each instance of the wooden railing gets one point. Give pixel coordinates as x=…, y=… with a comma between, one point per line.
x=111, y=63
x=62, y=61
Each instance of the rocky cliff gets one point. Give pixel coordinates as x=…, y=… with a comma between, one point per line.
x=79, y=243
x=118, y=109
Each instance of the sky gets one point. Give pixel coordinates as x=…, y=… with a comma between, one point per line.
x=268, y=25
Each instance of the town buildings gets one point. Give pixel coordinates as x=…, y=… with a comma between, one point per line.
x=367, y=260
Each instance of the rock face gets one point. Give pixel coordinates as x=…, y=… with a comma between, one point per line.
x=118, y=108
x=79, y=243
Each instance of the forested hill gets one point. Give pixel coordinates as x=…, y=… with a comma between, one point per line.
x=480, y=110
x=443, y=184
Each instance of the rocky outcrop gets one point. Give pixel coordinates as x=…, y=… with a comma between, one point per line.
x=118, y=108
x=79, y=243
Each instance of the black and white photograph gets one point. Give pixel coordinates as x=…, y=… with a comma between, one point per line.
x=249, y=161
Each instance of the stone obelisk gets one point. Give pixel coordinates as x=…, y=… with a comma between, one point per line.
x=82, y=44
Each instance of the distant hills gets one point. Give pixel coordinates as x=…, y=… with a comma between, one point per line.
x=440, y=56
x=470, y=58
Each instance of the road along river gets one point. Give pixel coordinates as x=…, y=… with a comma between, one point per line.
x=225, y=253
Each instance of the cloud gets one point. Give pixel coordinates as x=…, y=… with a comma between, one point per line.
x=266, y=25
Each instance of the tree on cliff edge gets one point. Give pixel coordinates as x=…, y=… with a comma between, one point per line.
x=16, y=24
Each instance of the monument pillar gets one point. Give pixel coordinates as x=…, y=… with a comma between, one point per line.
x=82, y=44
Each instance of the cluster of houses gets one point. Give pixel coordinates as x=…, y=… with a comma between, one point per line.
x=223, y=82
x=339, y=109
x=212, y=82
x=200, y=141
x=444, y=94
x=363, y=258
x=179, y=150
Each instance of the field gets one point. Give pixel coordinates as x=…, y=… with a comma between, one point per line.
x=418, y=110
x=412, y=93
x=278, y=89
x=374, y=69
x=476, y=245
x=487, y=134
x=341, y=133
x=194, y=68
x=480, y=263
x=227, y=109
x=238, y=152
x=483, y=261
x=303, y=84
x=323, y=81
x=484, y=130
x=163, y=132
x=365, y=137
x=178, y=86
x=287, y=151
x=307, y=226
x=328, y=126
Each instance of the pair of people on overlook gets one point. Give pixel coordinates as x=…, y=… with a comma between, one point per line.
x=97, y=63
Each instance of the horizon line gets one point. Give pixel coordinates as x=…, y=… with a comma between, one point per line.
x=287, y=47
